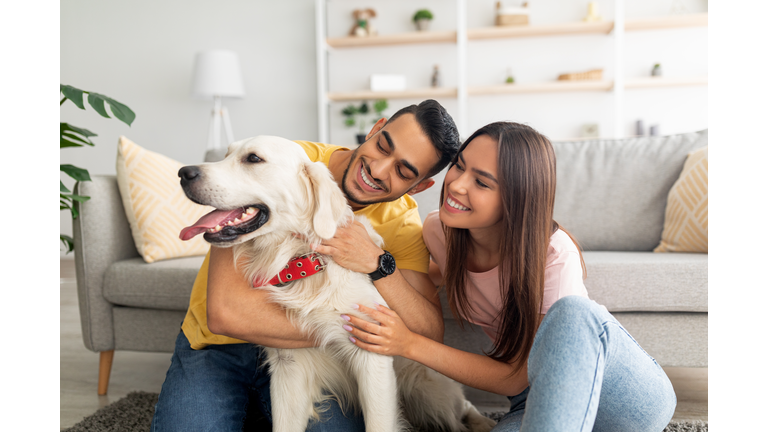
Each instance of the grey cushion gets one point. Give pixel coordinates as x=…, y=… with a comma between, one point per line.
x=647, y=281
x=163, y=284
x=611, y=194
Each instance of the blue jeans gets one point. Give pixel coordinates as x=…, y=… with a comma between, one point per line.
x=210, y=390
x=587, y=373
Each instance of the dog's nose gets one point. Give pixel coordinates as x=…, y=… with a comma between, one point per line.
x=189, y=173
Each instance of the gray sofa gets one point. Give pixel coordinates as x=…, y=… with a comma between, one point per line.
x=611, y=196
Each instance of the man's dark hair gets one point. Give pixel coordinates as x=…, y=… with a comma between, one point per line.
x=439, y=127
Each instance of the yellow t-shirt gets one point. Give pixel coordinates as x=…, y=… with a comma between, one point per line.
x=397, y=222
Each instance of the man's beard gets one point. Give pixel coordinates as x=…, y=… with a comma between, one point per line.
x=345, y=188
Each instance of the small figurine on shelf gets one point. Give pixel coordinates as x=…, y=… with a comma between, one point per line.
x=654, y=130
x=510, y=79
x=639, y=128
x=511, y=16
x=593, y=15
x=436, y=76
x=656, y=71
x=590, y=130
x=363, y=26
x=422, y=18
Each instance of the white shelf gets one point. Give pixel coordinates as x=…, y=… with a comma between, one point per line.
x=501, y=32
x=462, y=91
x=425, y=93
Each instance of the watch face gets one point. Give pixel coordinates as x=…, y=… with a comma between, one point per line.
x=387, y=263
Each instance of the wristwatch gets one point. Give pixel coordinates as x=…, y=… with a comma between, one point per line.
x=387, y=266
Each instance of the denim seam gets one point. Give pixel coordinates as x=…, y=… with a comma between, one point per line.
x=594, y=383
x=621, y=327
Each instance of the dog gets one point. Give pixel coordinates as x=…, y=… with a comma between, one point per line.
x=272, y=202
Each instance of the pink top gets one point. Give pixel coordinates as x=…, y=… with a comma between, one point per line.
x=562, y=276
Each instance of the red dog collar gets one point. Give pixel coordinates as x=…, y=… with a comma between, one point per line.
x=297, y=268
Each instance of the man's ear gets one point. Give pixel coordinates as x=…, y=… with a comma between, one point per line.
x=421, y=186
x=376, y=127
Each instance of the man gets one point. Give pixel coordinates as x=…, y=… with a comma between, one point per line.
x=216, y=368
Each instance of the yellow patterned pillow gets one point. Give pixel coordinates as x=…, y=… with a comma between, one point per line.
x=686, y=217
x=155, y=205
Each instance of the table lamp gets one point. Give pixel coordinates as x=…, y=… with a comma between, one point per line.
x=217, y=74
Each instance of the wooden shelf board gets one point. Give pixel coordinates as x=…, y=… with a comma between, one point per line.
x=543, y=87
x=601, y=27
x=499, y=32
x=405, y=94
x=671, y=21
x=393, y=39
x=651, y=82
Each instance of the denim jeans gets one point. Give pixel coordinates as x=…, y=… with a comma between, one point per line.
x=210, y=390
x=585, y=372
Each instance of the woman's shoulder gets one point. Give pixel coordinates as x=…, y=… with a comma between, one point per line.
x=433, y=229
x=561, y=242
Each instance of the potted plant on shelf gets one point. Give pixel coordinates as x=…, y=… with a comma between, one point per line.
x=357, y=115
x=422, y=18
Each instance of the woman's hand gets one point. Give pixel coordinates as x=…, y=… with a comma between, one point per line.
x=391, y=337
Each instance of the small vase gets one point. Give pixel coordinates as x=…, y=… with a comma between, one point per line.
x=422, y=24
x=361, y=138
x=656, y=71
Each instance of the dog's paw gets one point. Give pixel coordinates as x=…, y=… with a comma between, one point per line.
x=475, y=421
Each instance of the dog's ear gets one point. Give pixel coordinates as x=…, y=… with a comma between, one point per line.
x=329, y=204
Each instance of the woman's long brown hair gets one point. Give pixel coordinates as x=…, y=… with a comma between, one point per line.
x=527, y=180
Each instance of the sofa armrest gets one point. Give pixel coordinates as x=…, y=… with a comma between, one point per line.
x=102, y=236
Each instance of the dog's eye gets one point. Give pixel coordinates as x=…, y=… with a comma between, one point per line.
x=252, y=158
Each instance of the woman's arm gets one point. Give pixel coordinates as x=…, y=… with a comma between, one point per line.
x=392, y=337
x=237, y=310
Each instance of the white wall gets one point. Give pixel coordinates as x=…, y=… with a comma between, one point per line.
x=141, y=53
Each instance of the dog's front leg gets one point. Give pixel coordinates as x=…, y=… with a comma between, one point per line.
x=377, y=391
x=292, y=389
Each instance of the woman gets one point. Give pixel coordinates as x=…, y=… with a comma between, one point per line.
x=508, y=267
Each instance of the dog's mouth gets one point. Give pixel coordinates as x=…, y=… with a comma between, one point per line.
x=227, y=225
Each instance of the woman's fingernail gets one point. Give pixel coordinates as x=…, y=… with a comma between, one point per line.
x=346, y=317
x=346, y=327
x=375, y=304
x=351, y=339
x=354, y=306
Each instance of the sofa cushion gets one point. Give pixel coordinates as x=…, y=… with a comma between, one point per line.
x=155, y=205
x=164, y=284
x=647, y=281
x=611, y=194
x=686, y=218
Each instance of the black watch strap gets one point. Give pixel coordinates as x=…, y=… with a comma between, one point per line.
x=387, y=266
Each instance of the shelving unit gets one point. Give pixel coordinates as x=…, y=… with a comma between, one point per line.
x=462, y=35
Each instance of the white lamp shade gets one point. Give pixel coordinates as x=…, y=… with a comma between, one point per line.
x=217, y=73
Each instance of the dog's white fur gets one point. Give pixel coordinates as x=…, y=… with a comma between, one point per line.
x=303, y=198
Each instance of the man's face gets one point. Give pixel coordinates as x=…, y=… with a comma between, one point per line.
x=393, y=161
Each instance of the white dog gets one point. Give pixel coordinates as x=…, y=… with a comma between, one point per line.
x=267, y=189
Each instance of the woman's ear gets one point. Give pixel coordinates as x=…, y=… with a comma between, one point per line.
x=421, y=186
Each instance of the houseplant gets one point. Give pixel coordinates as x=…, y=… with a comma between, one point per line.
x=357, y=115
x=422, y=18
x=73, y=136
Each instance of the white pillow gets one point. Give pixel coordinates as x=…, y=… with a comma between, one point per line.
x=155, y=204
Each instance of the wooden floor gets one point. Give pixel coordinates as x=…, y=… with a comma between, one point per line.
x=136, y=371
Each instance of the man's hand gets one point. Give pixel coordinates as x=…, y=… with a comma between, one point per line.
x=352, y=248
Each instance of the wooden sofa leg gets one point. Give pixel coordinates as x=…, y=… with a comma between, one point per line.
x=105, y=367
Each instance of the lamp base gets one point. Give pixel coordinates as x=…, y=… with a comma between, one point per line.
x=219, y=116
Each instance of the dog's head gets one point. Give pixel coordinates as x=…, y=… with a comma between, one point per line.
x=264, y=184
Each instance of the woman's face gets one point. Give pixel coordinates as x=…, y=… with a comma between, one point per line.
x=471, y=196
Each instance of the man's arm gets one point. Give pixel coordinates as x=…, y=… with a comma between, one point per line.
x=410, y=293
x=237, y=310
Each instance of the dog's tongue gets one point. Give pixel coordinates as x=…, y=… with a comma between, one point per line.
x=216, y=217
